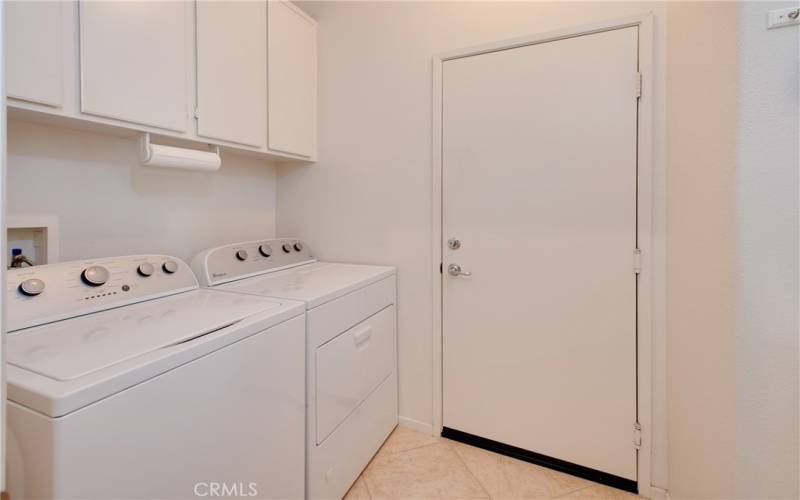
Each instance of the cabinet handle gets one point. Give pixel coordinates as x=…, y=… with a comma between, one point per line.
x=363, y=336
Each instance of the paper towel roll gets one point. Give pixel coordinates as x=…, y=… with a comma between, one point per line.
x=156, y=155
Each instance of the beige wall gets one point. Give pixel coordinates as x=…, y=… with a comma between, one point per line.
x=702, y=114
x=108, y=204
x=767, y=267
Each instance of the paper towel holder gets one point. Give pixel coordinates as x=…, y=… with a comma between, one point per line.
x=156, y=155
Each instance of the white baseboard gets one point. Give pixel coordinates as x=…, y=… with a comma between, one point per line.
x=416, y=425
x=657, y=493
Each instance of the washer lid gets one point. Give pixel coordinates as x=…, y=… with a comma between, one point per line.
x=314, y=284
x=70, y=349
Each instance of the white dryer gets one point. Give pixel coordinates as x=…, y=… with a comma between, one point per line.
x=125, y=380
x=351, y=350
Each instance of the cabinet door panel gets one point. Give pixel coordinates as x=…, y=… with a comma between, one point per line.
x=232, y=71
x=292, y=80
x=33, y=52
x=134, y=61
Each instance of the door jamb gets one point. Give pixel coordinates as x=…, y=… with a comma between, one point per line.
x=650, y=241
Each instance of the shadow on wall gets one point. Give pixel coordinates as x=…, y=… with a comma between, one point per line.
x=123, y=152
x=108, y=204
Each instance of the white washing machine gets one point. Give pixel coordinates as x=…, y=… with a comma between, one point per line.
x=351, y=350
x=125, y=380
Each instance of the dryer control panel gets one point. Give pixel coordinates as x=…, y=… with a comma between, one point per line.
x=43, y=294
x=249, y=258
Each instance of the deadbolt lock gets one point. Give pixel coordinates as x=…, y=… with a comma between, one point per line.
x=454, y=244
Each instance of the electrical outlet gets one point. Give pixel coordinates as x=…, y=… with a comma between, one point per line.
x=783, y=17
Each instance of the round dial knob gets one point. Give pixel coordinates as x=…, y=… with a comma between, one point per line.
x=298, y=247
x=31, y=287
x=146, y=269
x=170, y=266
x=95, y=275
x=241, y=254
x=265, y=250
x=287, y=247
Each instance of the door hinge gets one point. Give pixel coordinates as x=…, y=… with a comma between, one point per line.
x=637, y=435
x=638, y=84
x=196, y=113
x=441, y=268
x=637, y=261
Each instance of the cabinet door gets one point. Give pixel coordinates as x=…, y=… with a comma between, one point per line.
x=292, y=80
x=134, y=61
x=232, y=71
x=33, y=52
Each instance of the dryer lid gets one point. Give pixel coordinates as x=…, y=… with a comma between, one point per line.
x=313, y=284
x=72, y=348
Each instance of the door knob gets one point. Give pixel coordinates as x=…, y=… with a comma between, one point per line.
x=455, y=270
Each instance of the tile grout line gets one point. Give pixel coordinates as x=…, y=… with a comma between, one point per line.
x=560, y=495
x=574, y=491
x=390, y=453
x=569, y=491
x=464, y=462
x=366, y=485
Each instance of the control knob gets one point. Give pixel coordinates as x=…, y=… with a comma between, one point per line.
x=95, y=275
x=170, y=266
x=287, y=247
x=241, y=254
x=31, y=287
x=265, y=250
x=298, y=247
x=145, y=269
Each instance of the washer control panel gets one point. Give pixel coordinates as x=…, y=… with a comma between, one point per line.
x=42, y=294
x=249, y=258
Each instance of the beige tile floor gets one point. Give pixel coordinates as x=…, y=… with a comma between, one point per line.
x=414, y=465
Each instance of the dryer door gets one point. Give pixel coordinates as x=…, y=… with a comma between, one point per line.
x=351, y=366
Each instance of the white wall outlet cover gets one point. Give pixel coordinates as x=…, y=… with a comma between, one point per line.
x=783, y=17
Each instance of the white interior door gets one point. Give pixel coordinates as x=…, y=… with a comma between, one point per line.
x=539, y=187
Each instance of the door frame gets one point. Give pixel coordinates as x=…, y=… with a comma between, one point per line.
x=650, y=290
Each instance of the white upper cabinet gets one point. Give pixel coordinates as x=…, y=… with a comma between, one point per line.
x=33, y=52
x=241, y=74
x=134, y=61
x=232, y=71
x=292, y=75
